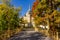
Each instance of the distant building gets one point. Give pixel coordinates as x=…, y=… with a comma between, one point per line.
x=28, y=17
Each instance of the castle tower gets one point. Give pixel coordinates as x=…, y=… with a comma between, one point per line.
x=27, y=15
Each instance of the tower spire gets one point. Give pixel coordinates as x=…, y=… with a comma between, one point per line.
x=28, y=10
x=29, y=7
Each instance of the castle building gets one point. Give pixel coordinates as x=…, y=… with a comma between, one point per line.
x=28, y=17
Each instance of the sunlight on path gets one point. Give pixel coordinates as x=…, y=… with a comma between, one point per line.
x=36, y=29
x=29, y=35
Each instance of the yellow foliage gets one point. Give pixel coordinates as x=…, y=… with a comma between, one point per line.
x=3, y=8
x=43, y=1
x=57, y=21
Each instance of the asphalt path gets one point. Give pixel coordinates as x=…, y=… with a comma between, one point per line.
x=29, y=35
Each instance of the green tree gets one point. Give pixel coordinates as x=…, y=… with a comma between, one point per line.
x=9, y=17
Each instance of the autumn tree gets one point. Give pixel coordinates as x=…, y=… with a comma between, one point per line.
x=46, y=10
x=9, y=17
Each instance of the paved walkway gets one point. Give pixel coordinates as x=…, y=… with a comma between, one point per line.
x=29, y=35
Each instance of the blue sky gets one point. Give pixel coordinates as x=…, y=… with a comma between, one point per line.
x=24, y=4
